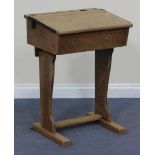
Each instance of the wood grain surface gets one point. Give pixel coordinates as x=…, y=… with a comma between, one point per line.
x=77, y=21
x=103, y=60
x=42, y=38
x=78, y=120
x=45, y=39
x=46, y=68
x=90, y=41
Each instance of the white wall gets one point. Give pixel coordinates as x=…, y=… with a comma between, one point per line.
x=77, y=68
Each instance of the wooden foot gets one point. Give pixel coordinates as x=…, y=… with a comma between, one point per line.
x=56, y=137
x=113, y=126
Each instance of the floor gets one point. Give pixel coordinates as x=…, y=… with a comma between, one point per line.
x=88, y=139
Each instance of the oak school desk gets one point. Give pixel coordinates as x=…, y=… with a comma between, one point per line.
x=65, y=32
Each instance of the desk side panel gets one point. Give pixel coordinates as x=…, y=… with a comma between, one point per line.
x=92, y=41
x=40, y=37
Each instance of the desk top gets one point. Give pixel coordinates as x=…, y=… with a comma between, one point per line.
x=78, y=21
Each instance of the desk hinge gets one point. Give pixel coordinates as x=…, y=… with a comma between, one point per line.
x=36, y=51
x=33, y=24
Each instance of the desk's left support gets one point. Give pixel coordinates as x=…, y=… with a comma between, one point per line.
x=47, y=123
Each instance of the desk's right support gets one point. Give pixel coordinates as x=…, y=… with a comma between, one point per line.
x=103, y=60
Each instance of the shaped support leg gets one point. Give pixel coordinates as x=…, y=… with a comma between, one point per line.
x=103, y=60
x=46, y=68
x=47, y=123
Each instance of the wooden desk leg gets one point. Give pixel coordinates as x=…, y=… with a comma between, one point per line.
x=47, y=123
x=103, y=60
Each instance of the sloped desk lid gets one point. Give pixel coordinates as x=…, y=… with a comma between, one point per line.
x=78, y=21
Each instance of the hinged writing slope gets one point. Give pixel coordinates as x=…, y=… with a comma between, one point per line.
x=82, y=30
x=78, y=21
